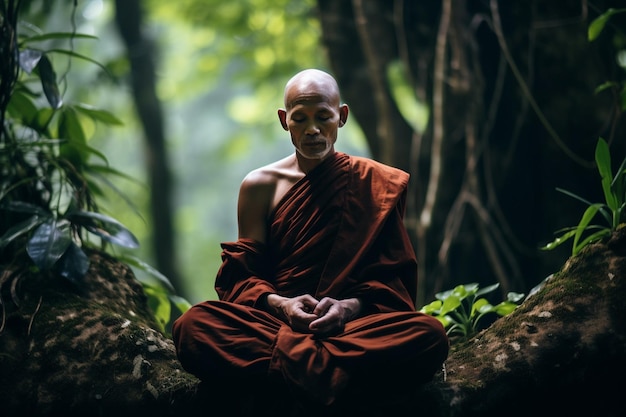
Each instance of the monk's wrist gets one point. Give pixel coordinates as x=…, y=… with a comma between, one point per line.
x=353, y=306
x=273, y=303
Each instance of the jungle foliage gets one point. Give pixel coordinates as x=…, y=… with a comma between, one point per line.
x=51, y=178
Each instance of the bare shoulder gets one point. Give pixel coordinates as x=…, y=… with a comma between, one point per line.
x=260, y=191
x=267, y=175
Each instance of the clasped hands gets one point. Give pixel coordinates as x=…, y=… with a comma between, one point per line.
x=306, y=314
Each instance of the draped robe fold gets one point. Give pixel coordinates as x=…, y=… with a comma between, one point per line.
x=338, y=232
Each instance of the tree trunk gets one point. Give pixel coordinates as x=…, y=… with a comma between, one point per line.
x=129, y=18
x=513, y=116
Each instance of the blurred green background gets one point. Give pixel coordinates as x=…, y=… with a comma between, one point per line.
x=219, y=88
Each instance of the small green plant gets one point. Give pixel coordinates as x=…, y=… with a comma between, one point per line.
x=461, y=309
x=612, y=210
x=48, y=184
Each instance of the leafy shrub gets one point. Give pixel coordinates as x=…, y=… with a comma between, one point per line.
x=49, y=180
x=612, y=210
x=461, y=309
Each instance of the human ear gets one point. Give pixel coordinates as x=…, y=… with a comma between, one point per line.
x=282, y=116
x=343, y=114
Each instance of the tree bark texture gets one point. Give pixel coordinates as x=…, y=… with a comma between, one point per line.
x=96, y=351
x=512, y=117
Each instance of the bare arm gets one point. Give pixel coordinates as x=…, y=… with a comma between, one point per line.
x=255, y=195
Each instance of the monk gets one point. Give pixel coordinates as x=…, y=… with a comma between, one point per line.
x=317, y=294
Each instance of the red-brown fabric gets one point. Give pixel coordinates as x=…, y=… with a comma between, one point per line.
x=339, y=233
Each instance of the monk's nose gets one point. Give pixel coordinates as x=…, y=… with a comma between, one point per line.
x=312, y=129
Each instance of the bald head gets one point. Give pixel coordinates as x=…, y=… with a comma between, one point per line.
x=311, y=84
x=312, y=115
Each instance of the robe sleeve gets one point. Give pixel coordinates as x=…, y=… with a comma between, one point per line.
x=242, y=276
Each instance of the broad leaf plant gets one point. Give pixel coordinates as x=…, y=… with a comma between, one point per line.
x=461, y=310
x=50, y=178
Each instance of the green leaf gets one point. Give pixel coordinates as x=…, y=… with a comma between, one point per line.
x=505, y=308
x=591, y=238
x=159, y=278
x=574, y=196
x=70, y=127
x=56, y=35
x=159, y=304
x=605, y=86
x=19, y=229
x=446, y=321
x=461, y=291
x=22, y=107
x=559, y=240
x=82, y=151
x=470, y=288
x=598, y=24
x=588, y=215
x=73, y=149
x=515, y=297
x=618, y=185
x=451, y=303
x=98, y=114
x=441, y=296
x=73, y=265
x=76, y=55
x=104, y=226
x=42, y=120
x=487, y=290
x=49, y=82
x=24, y=207
x=481, y=306
x=603, y=161
x=432, y=308
x=49, y=242
x=181, y=303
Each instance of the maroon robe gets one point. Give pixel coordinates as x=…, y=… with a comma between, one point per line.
x=338, y=232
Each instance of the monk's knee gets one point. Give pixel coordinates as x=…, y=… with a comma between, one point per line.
x=433, y=345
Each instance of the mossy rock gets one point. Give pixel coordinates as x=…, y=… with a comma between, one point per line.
x=97, y=351
x=88, y=350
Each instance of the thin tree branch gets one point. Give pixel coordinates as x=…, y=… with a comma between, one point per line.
x=436, y=157
x=497, y=26
x=424, y=219
x=378, y=76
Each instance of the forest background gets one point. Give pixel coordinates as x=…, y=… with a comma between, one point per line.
x=219, y=81
x=220, y=68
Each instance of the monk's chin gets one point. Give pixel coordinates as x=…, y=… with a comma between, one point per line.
x=315, y=155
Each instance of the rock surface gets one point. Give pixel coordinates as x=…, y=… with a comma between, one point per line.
x=97, y=352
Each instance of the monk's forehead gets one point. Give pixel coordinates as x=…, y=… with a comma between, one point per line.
x=311, y=90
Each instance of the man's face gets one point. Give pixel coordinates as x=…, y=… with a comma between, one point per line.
x=312, y=124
